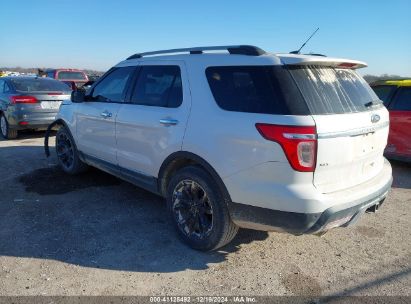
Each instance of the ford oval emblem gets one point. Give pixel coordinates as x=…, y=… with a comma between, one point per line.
x=375, y=118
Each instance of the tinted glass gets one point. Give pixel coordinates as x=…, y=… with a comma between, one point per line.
x=402, y=101
x=113, y=86
x=71, y=75
x=158, y=86
x=6, y=88
x=256, y=89
x=384, y=92
x=333, y=91
x=38, y=85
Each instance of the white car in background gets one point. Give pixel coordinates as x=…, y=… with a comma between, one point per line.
x=235, y=137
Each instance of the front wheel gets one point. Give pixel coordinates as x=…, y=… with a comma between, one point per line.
x=67, y=154
x=199, y=210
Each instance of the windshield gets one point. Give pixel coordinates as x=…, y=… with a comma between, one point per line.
x=329, y=90
x=71, y=75
x=38, y=85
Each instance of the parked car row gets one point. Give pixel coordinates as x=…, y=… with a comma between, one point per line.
x=237, y=138
x=28, y=102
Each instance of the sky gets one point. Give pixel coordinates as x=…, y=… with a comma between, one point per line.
x=96, y=34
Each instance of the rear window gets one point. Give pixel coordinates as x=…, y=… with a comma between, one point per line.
x=71, y=75
x=38, y=85
x=329, y=90
x=256, y=89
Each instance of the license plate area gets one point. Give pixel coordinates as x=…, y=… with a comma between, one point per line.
x=365, y=144
x=50, y=105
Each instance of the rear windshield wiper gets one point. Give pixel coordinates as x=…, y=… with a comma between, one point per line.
x=371, y=103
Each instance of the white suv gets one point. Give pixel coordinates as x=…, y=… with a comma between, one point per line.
x=235, y=137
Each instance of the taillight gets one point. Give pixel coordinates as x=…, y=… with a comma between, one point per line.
x=298, y=142
x=347, y=65
x=23, y=99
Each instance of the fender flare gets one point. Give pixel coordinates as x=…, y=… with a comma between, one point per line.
x=196, y=159
x=47, y=135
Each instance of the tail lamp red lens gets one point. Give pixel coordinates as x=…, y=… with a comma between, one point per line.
x=23, y=99
x=347, y=65
x=299, y=143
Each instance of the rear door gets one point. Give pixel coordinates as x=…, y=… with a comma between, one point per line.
x=352, y=126
x=151, y=125
x=400, y=123
x=96, y=129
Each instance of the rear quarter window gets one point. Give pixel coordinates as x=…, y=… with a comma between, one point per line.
x=255, y=89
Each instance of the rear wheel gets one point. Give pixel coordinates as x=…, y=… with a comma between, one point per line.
x=199, y=210
x=67, y=154
x=6, y=132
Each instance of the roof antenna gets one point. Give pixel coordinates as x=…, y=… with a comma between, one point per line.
x=298, y=52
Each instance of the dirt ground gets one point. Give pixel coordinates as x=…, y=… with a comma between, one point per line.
x=97, y=235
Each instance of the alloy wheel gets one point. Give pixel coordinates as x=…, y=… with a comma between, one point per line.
x=192, y=209
x=65, y=151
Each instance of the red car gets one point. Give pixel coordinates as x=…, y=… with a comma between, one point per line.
x=396, y=95
x=74, y=78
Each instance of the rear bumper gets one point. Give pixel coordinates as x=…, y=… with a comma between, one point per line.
x=345, y=213
x=31, y=120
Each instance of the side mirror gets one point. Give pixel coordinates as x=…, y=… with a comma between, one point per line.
x=78, y=96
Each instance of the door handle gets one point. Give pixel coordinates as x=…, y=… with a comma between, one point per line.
x=106, y=114
x=169, y=122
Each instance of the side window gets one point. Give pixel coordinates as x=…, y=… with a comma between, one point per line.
x=113, y=86
x=384, y=93
x=50, y=74
x=6, y=88
x=2, y=83
x=250, y=89
x=402, y=100
x=158, y=86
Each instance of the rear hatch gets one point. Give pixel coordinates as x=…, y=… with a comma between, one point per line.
x=50, y=101
x=44, y=94
x=351, y=122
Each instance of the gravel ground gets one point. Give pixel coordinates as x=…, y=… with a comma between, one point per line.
x=97, y=235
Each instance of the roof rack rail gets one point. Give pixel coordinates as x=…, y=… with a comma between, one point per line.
x=316, y=54
x=249, y=50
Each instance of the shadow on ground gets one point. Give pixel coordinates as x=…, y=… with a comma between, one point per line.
x=401, y=172
x=94, y=220
x=26, y=135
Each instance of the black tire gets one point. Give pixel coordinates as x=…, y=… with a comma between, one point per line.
x=67, y=154
x=5, y=131
x=202, y=219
